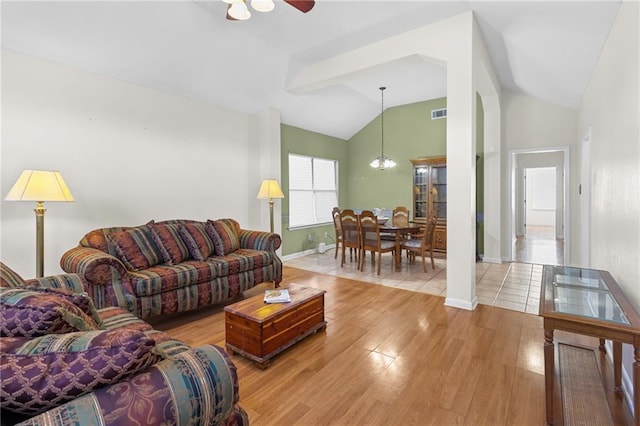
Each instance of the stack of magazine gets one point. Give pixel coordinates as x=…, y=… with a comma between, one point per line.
x=276, y=296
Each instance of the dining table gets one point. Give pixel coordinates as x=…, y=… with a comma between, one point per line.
x=400, y=232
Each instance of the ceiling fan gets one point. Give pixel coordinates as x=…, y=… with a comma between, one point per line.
x=237, y=10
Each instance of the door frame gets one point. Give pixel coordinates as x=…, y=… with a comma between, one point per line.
x=511, y=197
x=585, y=200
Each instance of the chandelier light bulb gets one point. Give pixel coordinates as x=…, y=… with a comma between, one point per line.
x=239, y=10
x=262, y=5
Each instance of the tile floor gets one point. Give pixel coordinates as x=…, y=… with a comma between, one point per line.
x=514, y=286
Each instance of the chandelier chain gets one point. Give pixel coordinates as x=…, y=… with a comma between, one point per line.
x=382, y=118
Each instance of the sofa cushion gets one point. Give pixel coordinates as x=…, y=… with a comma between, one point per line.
x=168, y=240
x=136, y=249
x=165, y=278
x=241, y=260
x=32, y=312
x=41, y=373
x=224, y=234
x=197, y=240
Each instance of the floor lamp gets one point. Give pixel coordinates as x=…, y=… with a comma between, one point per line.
x=39, y=186
x=269, y=190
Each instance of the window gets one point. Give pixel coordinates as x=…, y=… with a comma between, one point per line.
x=313, y=190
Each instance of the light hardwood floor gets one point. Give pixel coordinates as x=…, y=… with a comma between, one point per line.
x=395, y=357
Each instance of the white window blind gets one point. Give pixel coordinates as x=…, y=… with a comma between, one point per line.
x=313, y=190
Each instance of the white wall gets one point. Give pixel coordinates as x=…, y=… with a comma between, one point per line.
x=532, y=124
x=611, y=109
x=541, y=196
x=129, y=154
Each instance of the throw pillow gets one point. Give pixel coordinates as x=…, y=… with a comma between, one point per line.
x=197, y=240
x=9, y=278
x=224, y=234
x=81, y=300
x=28, y=312
x=42, y=373
x=168, y=239
x=136, y=248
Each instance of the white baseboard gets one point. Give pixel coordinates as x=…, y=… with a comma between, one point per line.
x=627, y=383
x=305, y=253
x=461, y=304
x=492, y=260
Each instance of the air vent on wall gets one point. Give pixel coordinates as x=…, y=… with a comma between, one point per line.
x=438, y=113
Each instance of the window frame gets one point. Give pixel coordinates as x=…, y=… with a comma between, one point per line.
x=336, y=165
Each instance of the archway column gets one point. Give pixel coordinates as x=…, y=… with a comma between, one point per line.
x=461, y=182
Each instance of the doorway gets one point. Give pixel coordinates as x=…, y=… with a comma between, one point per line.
x=540, y=202
x=539, y=209
x=538, y=242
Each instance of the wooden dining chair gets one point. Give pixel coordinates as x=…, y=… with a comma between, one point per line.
x=338, y=230
x=370, y=239
x=422, y=244
x=400, y=216
x=350, y=234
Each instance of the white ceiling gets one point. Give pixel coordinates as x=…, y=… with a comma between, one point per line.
x=543, y=49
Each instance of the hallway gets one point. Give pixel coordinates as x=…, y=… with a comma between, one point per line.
x=540, y=246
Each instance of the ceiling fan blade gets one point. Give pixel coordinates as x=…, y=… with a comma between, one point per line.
x=302, y=5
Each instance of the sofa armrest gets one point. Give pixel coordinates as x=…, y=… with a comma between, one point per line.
x=106, y=276
x=199, y=386
x=92, y=264
x=73, y=282
x=259, y=240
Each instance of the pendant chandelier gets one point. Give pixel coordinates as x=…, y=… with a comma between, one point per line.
x=237, y=10
x=382, y=162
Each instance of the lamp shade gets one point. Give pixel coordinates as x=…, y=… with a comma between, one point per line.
x=270, y=189
x=40, y=185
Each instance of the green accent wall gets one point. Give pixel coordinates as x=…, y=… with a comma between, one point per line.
x=409, y=133
x=304, y=142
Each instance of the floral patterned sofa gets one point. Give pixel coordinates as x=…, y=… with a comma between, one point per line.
x=172, y=266
x=63, y=362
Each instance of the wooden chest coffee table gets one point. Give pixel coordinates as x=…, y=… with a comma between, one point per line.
x=259, y=331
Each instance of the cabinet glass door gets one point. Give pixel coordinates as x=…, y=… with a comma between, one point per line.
x=439, y=191
x=420, y=191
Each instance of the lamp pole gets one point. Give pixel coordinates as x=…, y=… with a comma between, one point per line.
x=271, y=214
x=39, y=238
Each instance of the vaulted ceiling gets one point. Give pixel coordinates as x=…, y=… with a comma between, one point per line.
x=543, y=49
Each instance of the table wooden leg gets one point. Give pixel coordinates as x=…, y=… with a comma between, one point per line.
x=617, y=367
x=548, y=374
x=398, y=255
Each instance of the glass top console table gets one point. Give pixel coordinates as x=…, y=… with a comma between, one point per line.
x=589, y=302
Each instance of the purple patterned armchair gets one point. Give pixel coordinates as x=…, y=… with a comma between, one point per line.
x=64, y=362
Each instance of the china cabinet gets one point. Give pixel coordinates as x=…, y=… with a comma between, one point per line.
x=430, y=195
